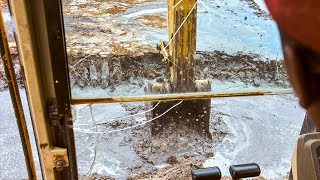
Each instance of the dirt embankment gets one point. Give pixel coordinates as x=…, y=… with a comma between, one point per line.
x=247, y=68
x=111, y=70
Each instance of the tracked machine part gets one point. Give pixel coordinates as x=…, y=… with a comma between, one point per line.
x=178, y=53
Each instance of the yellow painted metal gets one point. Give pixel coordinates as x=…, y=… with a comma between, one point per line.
x=161, y=47
x=32, y=43
x=16, y=101
x=59, y=153
x=181, y=96
x=182, y=15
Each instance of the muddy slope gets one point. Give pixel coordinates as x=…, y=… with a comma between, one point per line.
x=111, y=70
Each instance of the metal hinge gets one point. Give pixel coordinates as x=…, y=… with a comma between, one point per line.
x=58, y=156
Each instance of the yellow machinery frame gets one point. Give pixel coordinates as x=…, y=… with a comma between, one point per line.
x=33, y=44
x=16, y=100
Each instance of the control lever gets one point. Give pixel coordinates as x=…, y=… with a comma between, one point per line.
x=244, y=171
x=211, y=173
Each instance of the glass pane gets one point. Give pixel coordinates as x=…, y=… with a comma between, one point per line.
x=112, y=47
x=120, y=136
x=12, y=158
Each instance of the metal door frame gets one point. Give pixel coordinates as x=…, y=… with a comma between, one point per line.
x=42, y=50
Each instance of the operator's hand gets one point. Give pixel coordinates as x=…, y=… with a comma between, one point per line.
x=303, y=68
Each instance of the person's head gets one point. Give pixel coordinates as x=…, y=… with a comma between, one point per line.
x=299, y=26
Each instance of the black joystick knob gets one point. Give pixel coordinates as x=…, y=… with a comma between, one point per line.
x=244, y=170
x=211, y=173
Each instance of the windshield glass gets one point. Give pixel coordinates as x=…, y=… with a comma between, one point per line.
x=132, y=48
x=112, y=47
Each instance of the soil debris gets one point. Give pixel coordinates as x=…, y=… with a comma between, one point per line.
x=258, y=11
x=155, y=20
x=96, y=176
x=133, y=108
x=180, y=171
x=172, y=160
x=99, y=7
x=95, y=9
x=112, y=71
x=127, y=69
x=247, y=68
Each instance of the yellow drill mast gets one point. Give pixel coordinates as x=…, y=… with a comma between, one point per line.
x=182, y=30
x=179, y=53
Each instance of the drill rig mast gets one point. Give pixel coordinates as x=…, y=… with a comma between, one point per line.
x=178, y=53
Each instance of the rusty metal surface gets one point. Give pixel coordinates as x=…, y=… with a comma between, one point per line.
x=16, y=101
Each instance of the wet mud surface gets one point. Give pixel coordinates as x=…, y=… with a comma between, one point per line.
x=144, y=155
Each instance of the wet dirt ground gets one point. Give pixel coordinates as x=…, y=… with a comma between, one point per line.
x=243, y=129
